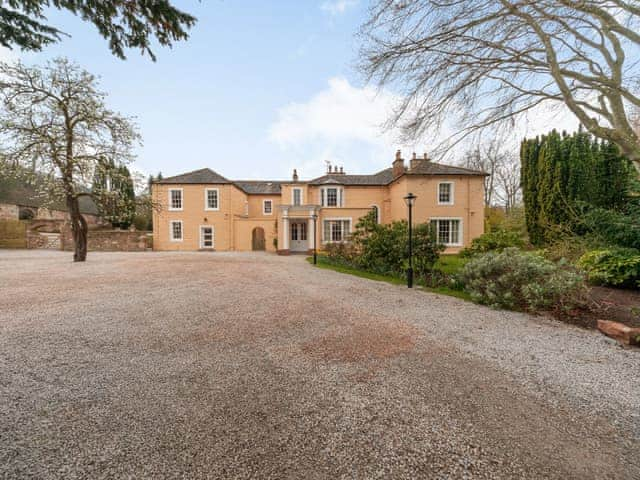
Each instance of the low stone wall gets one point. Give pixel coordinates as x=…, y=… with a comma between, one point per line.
x=111, y=241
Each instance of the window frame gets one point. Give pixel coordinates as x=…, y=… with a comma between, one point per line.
x=293, y=196
x=213, y=237
x=337, y=219
x=264, y=204
x=451, y=193
x=378, y=216
x=206, y=199
x=171, y=237
x=171, y=208
x=324, y=197
x=460, y=230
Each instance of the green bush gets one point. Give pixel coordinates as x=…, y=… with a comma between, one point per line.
x=496, y=240
x=384, y=248
x=618, y=267
x=518, y=280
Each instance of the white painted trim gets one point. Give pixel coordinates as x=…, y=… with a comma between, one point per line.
x=324, y=241
x=461, y=232
x=293, y=189
x=339, y=196
x=452, y=191
x=264, y=202
x=213, y=236
x=181, y=190
x=206, y=199
x=171, y=239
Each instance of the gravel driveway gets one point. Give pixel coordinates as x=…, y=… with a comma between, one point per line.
x=200, y=365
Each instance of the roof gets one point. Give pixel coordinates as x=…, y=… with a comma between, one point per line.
x=383, y=177
x=432, y=168
x=15, y=191
x=254, y=187
x=204, y=175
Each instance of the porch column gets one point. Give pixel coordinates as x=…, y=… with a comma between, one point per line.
x=312, y=232
x=285, y=231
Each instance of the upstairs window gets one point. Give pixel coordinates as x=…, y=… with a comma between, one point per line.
x=211, y=199
x=297, y=196
x=331, y=197
x=175, y=199
x=267, y=207
x=445, y=193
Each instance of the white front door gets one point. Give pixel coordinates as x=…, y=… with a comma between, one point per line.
x=206, y=237
x=298, y=238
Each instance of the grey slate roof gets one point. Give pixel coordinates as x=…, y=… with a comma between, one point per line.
x=204, y=175
x=432, y=168
x=383, y=177
x=255, y=187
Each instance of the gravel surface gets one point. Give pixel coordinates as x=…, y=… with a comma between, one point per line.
x=228, y=365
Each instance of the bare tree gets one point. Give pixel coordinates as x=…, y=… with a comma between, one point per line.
x=493, y=157
x=493, y=60
x=54, y=119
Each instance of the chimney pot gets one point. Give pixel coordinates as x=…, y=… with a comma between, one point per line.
x=426, y=157
x=341, y=170
x=295, y=175
x=414, y=155
x=398, y=165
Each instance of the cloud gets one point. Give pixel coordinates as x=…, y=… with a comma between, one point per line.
x=342, y=124
x=337, y=7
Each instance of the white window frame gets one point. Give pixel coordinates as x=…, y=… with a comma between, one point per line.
x=213, y=236
x=293, y=196
x=171, y=239
x=329, y=219
x=206, y=199
x=264, y=204
x=378, y=216
x=181, y=190
x=339, y=196
x=460, y=230
x=451, y=193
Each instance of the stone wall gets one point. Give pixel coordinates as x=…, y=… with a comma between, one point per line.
x=110, y=241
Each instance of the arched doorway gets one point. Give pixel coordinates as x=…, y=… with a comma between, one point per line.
x=257, y=239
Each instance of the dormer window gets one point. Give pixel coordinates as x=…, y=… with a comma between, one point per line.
x=445, y=193
x=331, y=196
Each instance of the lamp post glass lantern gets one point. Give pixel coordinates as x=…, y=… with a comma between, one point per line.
x=410, y=200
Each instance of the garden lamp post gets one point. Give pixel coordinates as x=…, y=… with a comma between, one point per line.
x=315, y=238
x=410, y=200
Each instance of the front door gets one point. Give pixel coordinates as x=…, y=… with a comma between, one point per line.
x=206, y=237
x=298, y=237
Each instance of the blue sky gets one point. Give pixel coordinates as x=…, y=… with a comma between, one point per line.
x=260, y=88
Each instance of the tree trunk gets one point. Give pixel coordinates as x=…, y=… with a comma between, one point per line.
x=78, y=229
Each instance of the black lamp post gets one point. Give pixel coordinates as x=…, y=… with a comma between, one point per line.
x=410, y=200
x=315, y=238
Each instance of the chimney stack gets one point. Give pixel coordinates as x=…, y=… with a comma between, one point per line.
x=295, y=175
x=415, y=161
x=398, y=165
x=426, y=157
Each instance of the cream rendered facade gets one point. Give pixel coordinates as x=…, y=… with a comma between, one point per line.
x=279, y=216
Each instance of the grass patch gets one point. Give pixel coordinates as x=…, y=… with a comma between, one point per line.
x=451, y=264
x=323, y=262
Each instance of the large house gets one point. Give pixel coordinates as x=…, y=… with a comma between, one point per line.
x=202, y=210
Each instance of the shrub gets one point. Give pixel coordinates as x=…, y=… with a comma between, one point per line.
x=384, y=248
x=497, y=240
x=340, y=253
x=618, y=267
x=522, y=281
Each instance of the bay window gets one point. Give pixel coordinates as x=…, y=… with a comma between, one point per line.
x=448, y=231
x=336, y=230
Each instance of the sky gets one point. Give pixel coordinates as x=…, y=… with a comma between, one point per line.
x=259, y=88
